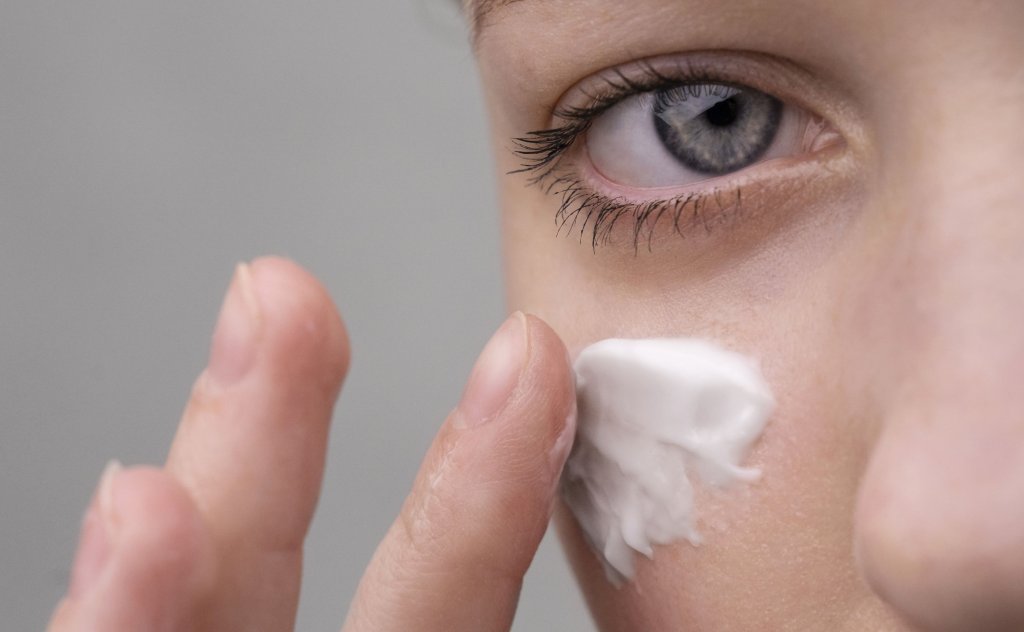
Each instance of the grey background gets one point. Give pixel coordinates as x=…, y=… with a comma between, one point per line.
x=148, y=145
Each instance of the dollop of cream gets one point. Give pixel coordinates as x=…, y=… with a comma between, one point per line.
x=653, y=412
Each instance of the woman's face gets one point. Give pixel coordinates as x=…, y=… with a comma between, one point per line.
x=864, y=240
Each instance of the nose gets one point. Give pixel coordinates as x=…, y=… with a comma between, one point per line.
x=939, y=527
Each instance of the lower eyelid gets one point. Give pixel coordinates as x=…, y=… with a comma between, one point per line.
x=591, y=177
x=643, y=218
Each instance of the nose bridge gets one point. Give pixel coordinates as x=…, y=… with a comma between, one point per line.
x=954, y=175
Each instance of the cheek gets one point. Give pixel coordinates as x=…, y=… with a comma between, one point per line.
x=777, y=551
x=729, y=285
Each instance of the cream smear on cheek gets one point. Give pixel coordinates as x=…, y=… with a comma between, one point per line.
x=652, y=414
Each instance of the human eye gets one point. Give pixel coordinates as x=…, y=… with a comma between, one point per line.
x=662, y=139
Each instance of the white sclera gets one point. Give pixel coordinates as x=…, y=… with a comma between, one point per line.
x=651, y=413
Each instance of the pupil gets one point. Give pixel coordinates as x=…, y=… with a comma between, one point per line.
x=723, y=113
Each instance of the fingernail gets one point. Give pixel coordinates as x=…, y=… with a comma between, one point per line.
x=234, y=339
x=563, y=444
x=94, y=545
x=494, y=375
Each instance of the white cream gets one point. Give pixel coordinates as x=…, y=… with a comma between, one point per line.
x=651, y=413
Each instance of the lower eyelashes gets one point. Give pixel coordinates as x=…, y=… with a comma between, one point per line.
x=581, y=212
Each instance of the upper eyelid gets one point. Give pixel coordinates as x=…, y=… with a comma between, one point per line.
x=780, y=77
x=618, y=85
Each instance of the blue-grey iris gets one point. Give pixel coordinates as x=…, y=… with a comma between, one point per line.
x=716, y=129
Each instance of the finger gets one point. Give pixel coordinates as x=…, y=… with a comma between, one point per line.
x=455, y=558
x=144, y=561
x=251, y=445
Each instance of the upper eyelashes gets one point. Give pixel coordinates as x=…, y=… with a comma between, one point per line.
x=539, y=149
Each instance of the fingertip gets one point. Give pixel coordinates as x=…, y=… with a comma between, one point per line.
x=549, y=359
x=305, y=331
x=550, y=377
x=251, y=452
x=149, y=503
x=507, y=466
x=160, y=561
x=160, y=533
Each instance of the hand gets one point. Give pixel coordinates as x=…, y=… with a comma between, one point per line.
x=213, y=541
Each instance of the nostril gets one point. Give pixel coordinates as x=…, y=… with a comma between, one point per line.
x=938, y=537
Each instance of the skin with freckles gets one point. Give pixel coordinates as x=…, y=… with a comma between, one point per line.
x=881, y=285
x=871, y=258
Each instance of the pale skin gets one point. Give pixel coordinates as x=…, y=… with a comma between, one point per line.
x=880, y=282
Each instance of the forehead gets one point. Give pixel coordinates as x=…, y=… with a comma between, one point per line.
x=543, y=37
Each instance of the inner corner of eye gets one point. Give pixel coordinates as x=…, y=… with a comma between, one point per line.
x=819, y=135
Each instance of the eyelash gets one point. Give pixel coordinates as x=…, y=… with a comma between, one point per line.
x=541, y=152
